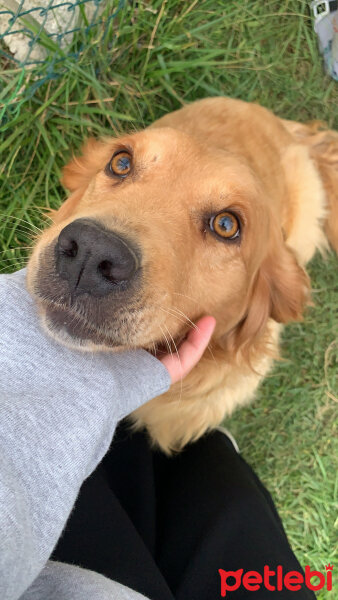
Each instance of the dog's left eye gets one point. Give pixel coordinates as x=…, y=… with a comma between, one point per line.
x=226, y=225
x=121, y=163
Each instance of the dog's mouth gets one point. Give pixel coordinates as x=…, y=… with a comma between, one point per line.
x=73, y=330
x=63, y=323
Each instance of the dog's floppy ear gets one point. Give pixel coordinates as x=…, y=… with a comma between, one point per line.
x=280, y=290
x=79, y=171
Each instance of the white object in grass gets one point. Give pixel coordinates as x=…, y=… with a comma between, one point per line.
x=49, y=16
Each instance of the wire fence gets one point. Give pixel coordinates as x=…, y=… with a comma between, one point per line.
x=40, y=38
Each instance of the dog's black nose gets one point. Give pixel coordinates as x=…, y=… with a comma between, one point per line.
x=94, y=260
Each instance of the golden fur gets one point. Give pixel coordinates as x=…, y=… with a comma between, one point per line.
x=280, y=177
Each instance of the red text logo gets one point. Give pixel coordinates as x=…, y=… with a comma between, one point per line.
x=274, y=580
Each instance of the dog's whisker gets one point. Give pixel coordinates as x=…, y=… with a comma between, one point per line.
x=186, y=317
x=173, y=315
x=179, y=359
x=44, y=211
x=194, y=326
x=187, y=321
x=212, y=354
x=185, y=296
x=167, y=342
x=190, y=323
x=31, y=225
x=28, y=233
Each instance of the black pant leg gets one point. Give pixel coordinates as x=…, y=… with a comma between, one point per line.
x=213, y=513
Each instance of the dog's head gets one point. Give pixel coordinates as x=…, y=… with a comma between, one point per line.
x=160, y=229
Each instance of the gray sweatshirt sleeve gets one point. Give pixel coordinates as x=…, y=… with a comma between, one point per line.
x=58, y=412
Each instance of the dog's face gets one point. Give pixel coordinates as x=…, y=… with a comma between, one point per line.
x=159, y=230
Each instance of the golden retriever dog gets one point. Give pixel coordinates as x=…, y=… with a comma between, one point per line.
x=213, y=209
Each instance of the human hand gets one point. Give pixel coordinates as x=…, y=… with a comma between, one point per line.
x=190, y=350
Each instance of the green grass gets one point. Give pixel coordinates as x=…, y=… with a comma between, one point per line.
x=160, y=55
x=289, y=434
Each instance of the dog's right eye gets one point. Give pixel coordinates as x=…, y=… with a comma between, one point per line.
x=120, y=164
